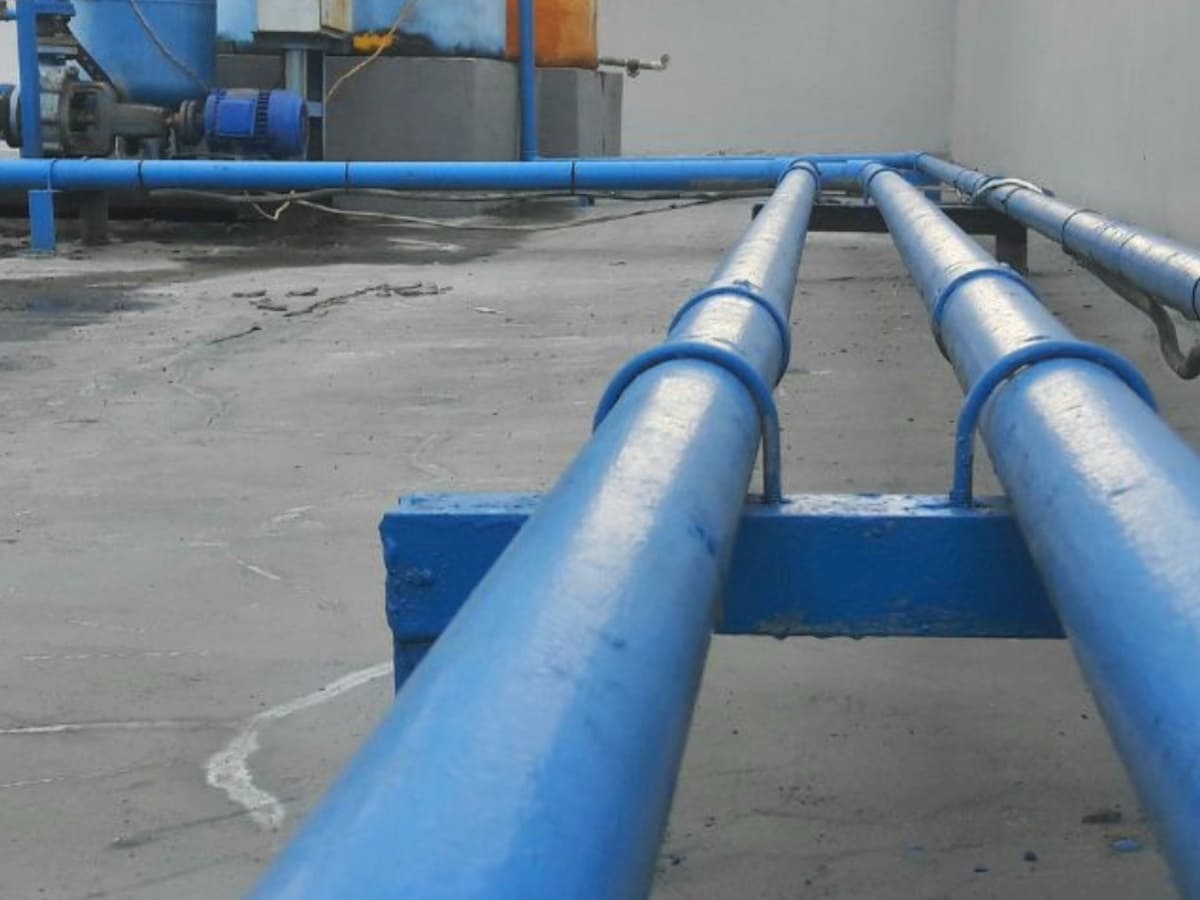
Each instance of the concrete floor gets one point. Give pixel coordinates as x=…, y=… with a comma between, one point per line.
x=191, y=586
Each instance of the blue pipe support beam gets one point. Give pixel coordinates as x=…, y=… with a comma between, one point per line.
x=1161, y=267
x=534, y=752
x=819, y=565
x=528, y=79
x=580, y=176
x=1108, y=499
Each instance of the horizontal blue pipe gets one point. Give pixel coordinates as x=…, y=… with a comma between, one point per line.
x=541, y=175
x=534, y=752
x=1157, y=265
x=1108, y=499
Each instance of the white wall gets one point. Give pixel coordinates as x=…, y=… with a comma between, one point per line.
x=8, y=53
x=1097, y=99
x=785, y=75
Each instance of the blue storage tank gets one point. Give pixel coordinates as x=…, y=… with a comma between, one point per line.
x=437, y=27
x=156, y=51
x=452, y=27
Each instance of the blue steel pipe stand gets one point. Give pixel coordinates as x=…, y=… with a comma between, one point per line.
x=855, y=566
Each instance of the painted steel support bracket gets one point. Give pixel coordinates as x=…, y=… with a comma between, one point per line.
x=732, y=363
x=842, y=217
x=825, y=566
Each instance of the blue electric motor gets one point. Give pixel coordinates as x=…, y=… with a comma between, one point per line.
x=253, y=123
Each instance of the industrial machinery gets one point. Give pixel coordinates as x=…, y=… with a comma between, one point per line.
x=102, y=99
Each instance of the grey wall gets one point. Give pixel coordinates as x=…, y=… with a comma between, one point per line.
x=785, y=75
x=1095, y=98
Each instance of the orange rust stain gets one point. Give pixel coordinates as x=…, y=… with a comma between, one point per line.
x=566, y=33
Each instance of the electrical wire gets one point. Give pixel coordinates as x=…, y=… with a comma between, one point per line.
x=309, y=200
x=486, y=197
x=422, y=222
x=405, y=14
x=1184, y=364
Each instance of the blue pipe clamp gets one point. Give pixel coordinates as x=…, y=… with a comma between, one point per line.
x=962, y=493
x=732, y=363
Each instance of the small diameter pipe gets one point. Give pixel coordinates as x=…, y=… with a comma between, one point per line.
x=1108, y=500
x=31, y=85
x=1163, y=268
x=534, y=752
x=528, y=80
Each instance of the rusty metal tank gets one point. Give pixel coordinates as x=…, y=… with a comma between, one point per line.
x=566, y=33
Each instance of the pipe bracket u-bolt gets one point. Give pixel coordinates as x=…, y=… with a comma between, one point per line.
x=802, y=165
x=937, y=309
x=745, y=290
x=736, y=366
x=962, y=492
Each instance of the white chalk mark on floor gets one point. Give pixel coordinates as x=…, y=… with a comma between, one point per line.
x=228, y=770
x=290, y=515
x=111, y=655
x=85, y=623
x=132, y=725
x=257, y=570
x=421, y=457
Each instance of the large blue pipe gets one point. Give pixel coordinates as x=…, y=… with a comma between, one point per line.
x=1108, y=499
x=1158, y=265
x=584, y=175
x=528, y=80
x=535, y=750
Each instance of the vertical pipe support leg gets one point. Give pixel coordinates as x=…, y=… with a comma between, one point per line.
x=93, y=218
x=528, y=81
x=1012, y=246
x=42, y=229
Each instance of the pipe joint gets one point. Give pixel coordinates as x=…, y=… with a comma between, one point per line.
x=869, y=173
x=735, y=365
x=962, y=492
x=802, y=165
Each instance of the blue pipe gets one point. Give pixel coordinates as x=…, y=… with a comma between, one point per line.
x=594, y=175
x=1157, y=265
x=528, y=80
x=1108, y=499
x=534, y=752
x=31, y=81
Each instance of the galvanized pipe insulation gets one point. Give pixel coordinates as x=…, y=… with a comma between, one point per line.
x=534, y=752
x=1108, y=499
x=1161, y=267
x=583, y=175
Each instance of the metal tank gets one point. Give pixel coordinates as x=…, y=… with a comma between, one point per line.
x=566, y=33
x=428, y=27
x=438, y=27
x=160, y=52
